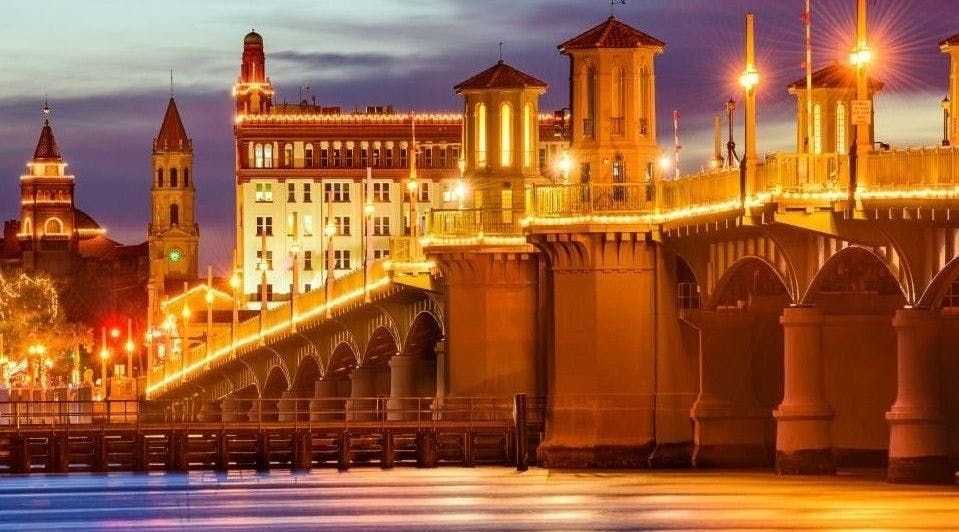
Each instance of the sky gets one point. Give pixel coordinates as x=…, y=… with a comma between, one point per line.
x=105, y=67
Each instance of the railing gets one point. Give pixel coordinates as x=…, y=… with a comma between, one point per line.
x=920, y=168
x=700, y=189
x=800, y=172
x=593, y=198
x=466, y=223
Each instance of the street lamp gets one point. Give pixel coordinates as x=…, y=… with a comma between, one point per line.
x=104, y=357
x=946, y=107
x=413, y=187
x=565, y=164
x=329, y=231
x=459, y=192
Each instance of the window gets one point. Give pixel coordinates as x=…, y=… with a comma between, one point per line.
x=349, y=157
x=308, y=157
x=341, y=259
x=160, y=178
x=817, y=129
x=542, y=157
x=325, y=158
x=428, y=157
x=506, y=205
x=364, y=157
x=307, y=287
x=291, y=193
x=376, y=157
x=307, y=193
x=269, y=291
x=342, y=225
x=381, y=254
x=337, y=154
x=389, y=158
x=527, y=139
x=264, y=225
x=381, y=192
x=338, y=192
x=381, y=226
x=174, y=214
x=269, y=258
x=443, y=158
x=506, y=135
x=292, y=224
x=53, y=227
x=308, y=262
x=287, y=155
x=424, y=192
x=404, y=157
x=268, y=156
x=258, y=158
x=481, y=135
x=173, y=178
x=27, y=227
x=186, y=178
x=841, y=128
x=264, y=193
x=307, y=225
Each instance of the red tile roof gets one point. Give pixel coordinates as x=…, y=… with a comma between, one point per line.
x=611, y=34
x=172, y=136
x=500, y=76
x=951, y=41
x=835, y=76
x=47, y=149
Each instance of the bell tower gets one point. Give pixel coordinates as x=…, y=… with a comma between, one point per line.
x=253, y=90
x=613, y=103
x=173, y=233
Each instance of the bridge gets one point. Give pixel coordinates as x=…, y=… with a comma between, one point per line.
x=794, y=311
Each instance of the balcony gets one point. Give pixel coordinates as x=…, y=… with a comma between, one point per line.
x=462, y=226
x=557, y=201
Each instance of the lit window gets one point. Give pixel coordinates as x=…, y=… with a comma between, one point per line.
x=381, y=192
x=307, y=193
x=269, y=258
x=264, y=192
x=258, y=160
x=268, y=156
x=291, y=193
x=341, y=259
x=308, y=157
x=481, y=135
x=264, y=225
x=506, y=135
x=307, y=225
x=53, y=227
x=527, y=137
x=288, y=155
x=841, y=128
x=381, y=226
x=342, y=225
x=817, y=129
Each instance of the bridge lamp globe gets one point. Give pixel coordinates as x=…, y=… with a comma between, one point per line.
x=412, y=185
x=330, y=230
x=665, y=163
x=104, y=354
x=235, y=281
x=459, y=190
x=861, y=57
x=749, y=79
x=186, y=312
x=369, y=209
x=114, y=333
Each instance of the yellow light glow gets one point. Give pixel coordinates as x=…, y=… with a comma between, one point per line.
x=412, y=185
x=565, y=163
x=186, y=312
x=129, y=346
x=369, y=209
x=235, y=281
x=749, y=79
x=665, y=163
x=861, y=57
x=104, y=354
x=330, y=230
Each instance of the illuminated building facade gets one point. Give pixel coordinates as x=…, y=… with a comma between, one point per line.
x=303, y=167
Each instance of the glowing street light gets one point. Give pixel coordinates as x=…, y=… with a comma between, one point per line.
x=860, y=57
x=749, y=79
x=665, y=163
x=564, y=165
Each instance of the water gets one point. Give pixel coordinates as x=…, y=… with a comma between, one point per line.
x=465, y=499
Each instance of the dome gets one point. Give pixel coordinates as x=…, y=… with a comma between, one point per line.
x=253, y=38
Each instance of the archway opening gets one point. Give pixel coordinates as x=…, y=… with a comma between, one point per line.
x=304, y=385
x=421, y=340
x=274, y=387
x=380, y=349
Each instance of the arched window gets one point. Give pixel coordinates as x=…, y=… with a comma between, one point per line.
x=174, y=182
x=644, y=88
x=258, y=156
x=287, y=155
x=589, y=127
x=186, y=178
x=527, y=137
x=159, y=177
x=268, y=156
x=174, y=214
x=817, y=129
x=841, y=128
x=53, y=226
x=308, y=156
x=481, y=135
x=506, y=135
x=27, y=226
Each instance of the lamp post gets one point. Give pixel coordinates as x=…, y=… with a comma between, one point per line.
x=565, y=164
x=329, y=231
x=234, y=286
x=185, y=337
x=368, y=210
x=295, y=288
x=104, y=357
x=860, y=57
x=749, y=81
x=732, y=160
x=130, y=347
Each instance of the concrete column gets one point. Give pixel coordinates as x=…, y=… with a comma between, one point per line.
x=326, y=406
x=918, y=450
x=362, y=387
x=286, y=406
x=729, y=426
x=403, y=370
x=803, y=420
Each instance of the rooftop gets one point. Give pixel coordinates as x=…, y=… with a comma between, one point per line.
x=835, y=76
x=611, y=34
x=500, y=76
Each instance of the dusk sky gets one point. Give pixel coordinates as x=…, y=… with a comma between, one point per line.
x=105, y=66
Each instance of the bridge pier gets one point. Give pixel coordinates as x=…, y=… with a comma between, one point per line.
x=729, y=425
x=324, y=407
x=918, y=448
x=602, y=378
x=804, y=419
x=403, y=373
x=362, y=388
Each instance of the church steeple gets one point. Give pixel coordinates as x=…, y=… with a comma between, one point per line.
x=173, y=231
x=47, y=149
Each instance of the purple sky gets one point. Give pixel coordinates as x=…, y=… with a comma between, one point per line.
x=105, y=66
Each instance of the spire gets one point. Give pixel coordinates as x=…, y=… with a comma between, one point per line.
x=47, y=149
x=172, y=136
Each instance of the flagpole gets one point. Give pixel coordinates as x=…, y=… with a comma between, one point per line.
x=807, y=17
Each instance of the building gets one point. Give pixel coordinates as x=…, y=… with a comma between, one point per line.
x=303, y=167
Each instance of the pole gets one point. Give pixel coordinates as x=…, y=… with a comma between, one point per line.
x=236, y=282
x=807, y=18
x=413, y=187
x=103, y=361
x=677, y=146
x=731, y=160
x=129, y=347
x=748, y=176
x=368, y=211
x=330, y=231
x=209, y=307
x=263, y=291
x=863, y=144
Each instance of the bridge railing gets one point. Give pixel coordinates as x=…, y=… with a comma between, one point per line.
x=913, y=169
x=465, y=223
x=700, y=189
x=558, y=201
x=802, y=172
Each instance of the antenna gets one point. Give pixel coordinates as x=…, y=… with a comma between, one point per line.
x=46, y=108
x=171, y=83
x=501, y=50
x=613, y=4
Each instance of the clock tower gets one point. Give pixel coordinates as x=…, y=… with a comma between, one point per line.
x=173, y=233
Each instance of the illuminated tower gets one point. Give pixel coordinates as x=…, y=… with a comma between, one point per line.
x=613, y=102
x=48, y=229
x=501, y=132
x=833, y=91
x=253, y=90
x=173, y=234
x=951, y=46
